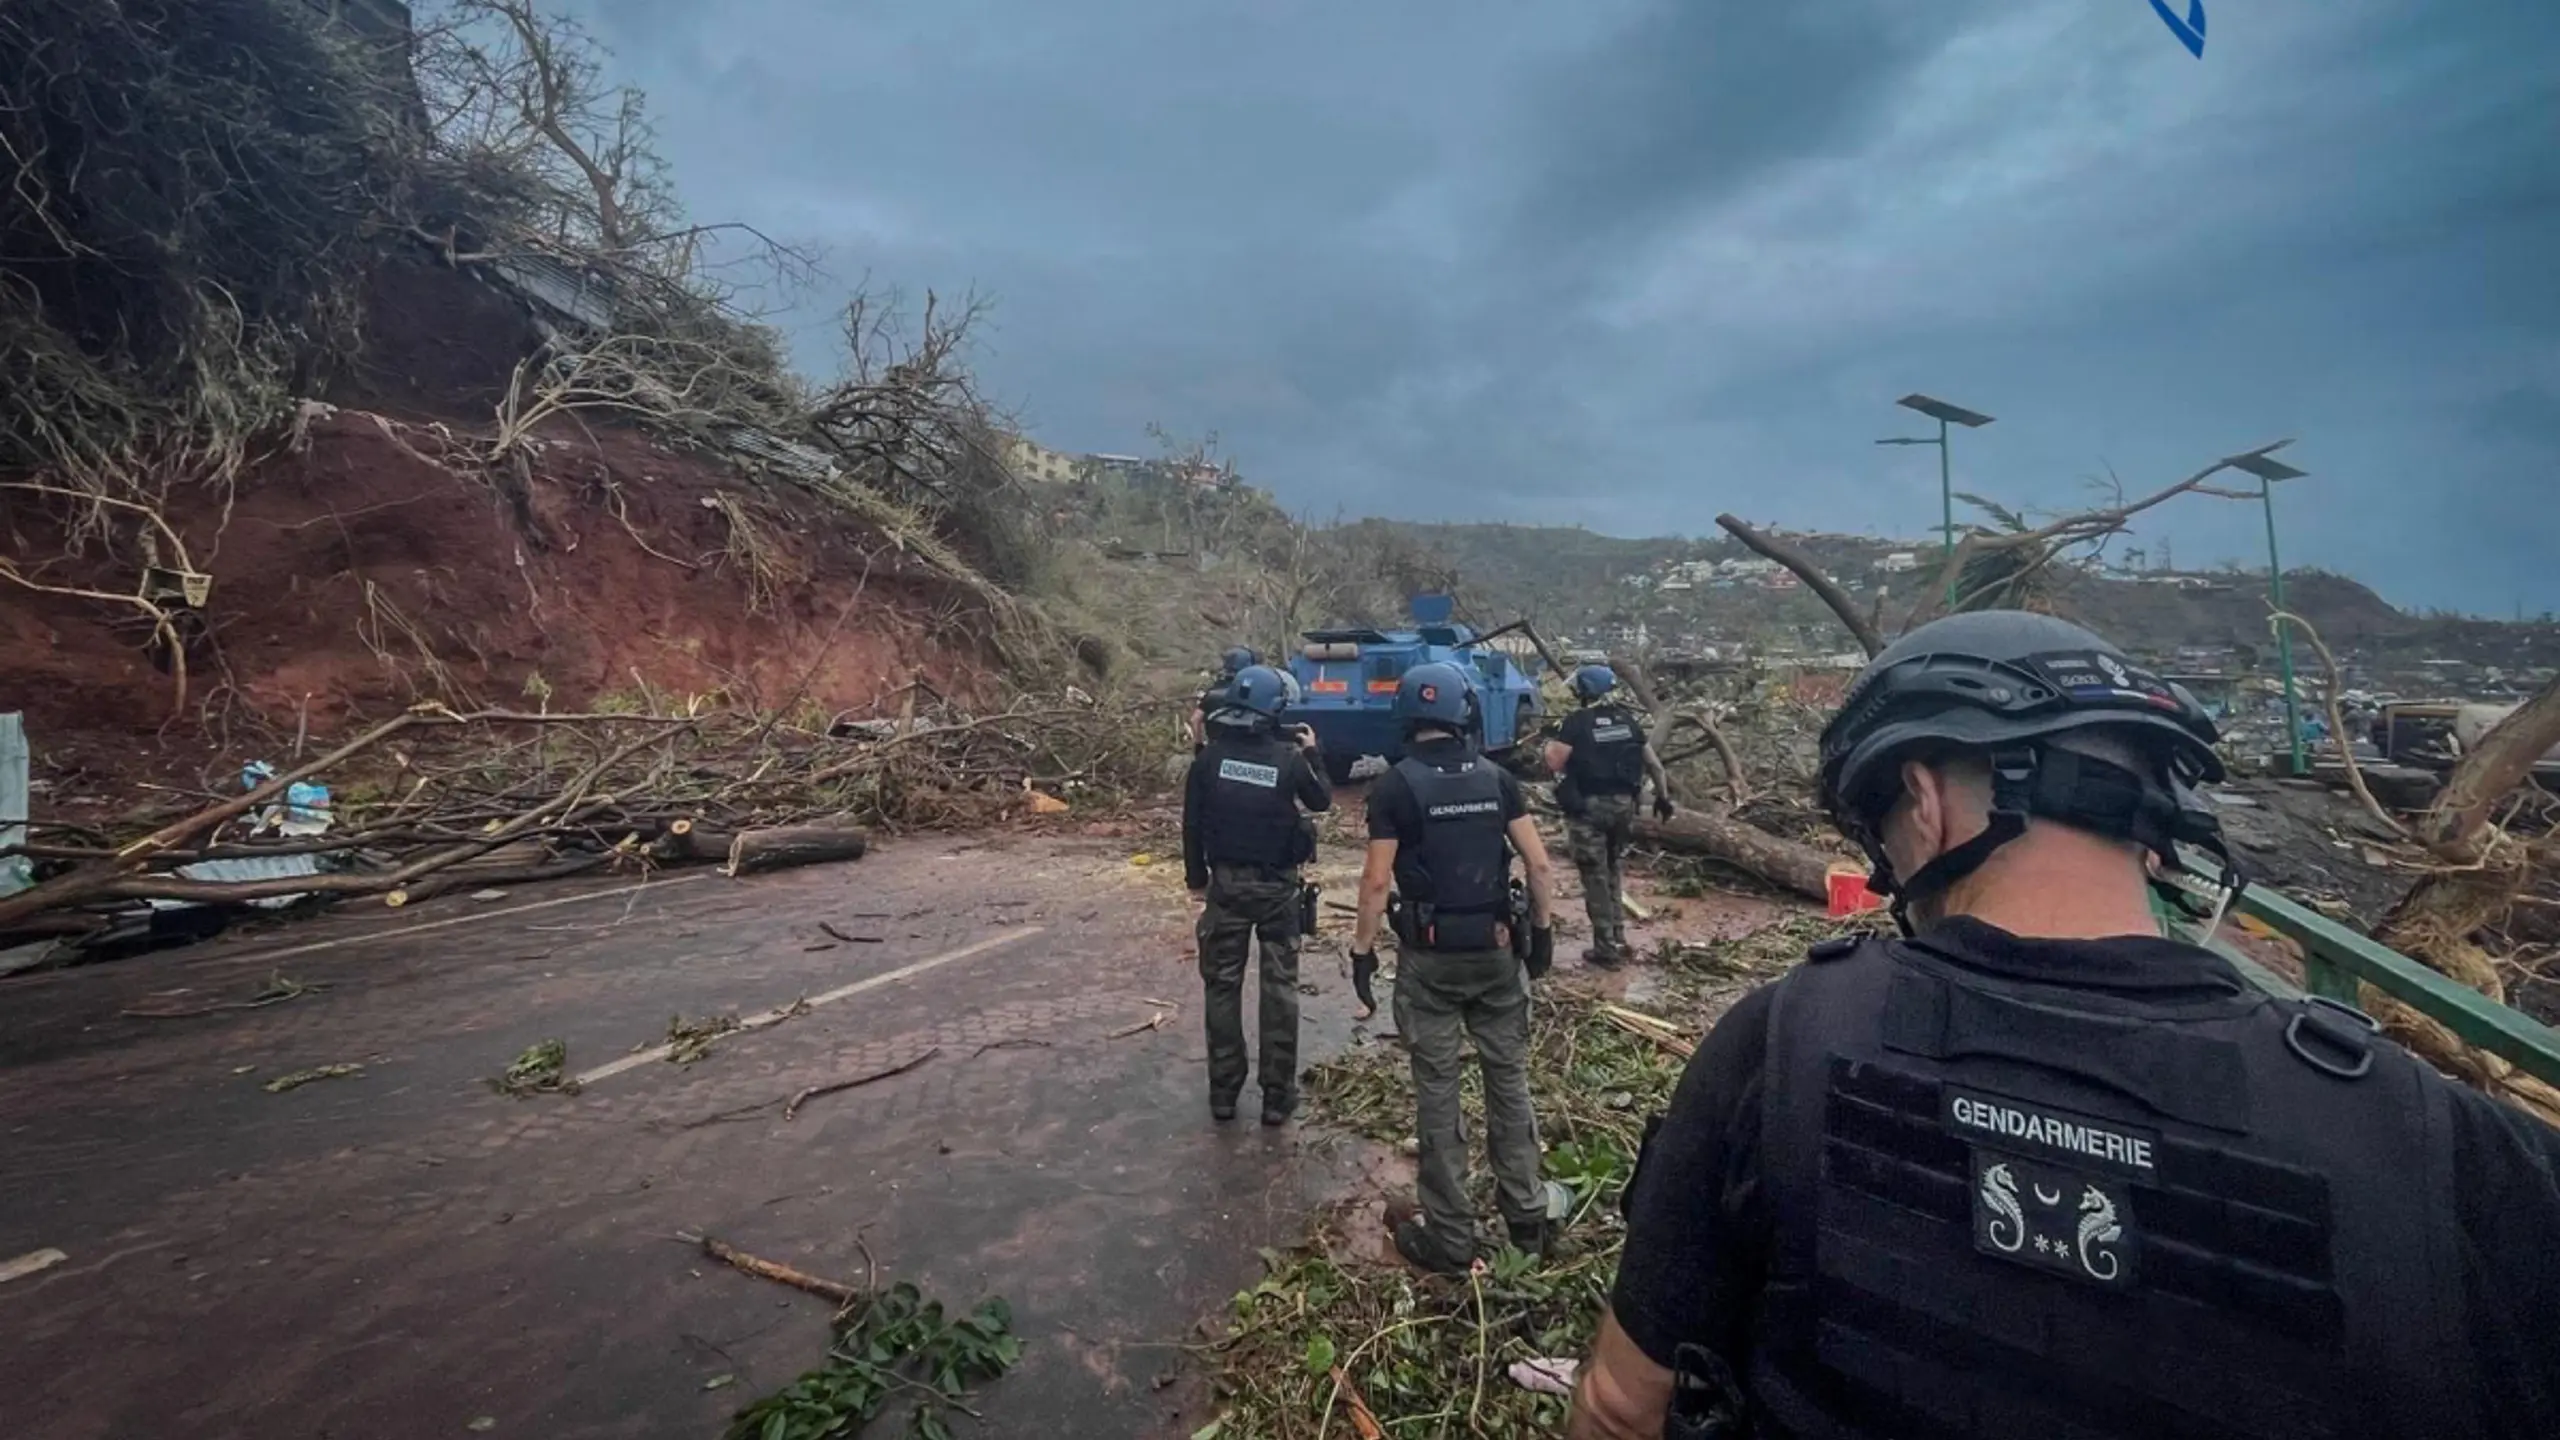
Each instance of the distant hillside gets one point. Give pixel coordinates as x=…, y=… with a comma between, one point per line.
x=1599, y=589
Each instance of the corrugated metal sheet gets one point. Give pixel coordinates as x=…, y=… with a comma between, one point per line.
x=13, y=801
x=790, y=457
x=573, y=293
x=248, y=867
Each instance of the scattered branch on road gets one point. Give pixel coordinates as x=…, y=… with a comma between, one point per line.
x=775, y=1271
x=438, y=798
x=278, y=990
x=792, y=1107
x=300, y=1078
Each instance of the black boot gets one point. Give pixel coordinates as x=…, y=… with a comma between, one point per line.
x=1278, y=1106
x=1535, y=1237
x=1222, y=1107
x=1414, y=1243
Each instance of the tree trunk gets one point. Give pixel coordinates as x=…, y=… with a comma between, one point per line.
x=1774, y=858
x=789, y=845
x=2436, y=920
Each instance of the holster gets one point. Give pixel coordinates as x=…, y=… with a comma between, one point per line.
x=1706, y=1403
x=1569, y=798
x=1425, y=926
x=1307, y=908
x=1521, y=938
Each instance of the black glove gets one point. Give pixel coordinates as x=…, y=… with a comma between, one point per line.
x=1542, y=951
x=1364, y=967
x=1662, y=806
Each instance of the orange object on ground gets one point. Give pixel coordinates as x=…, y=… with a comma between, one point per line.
x=1849, y=893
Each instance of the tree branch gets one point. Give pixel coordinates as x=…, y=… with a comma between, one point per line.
x=1811, y=574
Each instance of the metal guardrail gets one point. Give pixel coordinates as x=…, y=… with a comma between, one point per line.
x=2336, y=960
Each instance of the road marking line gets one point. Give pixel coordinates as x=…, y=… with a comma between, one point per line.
x=309, y=947
x=638, y=1058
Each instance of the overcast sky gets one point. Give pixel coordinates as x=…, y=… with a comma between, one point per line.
x=1628, y=263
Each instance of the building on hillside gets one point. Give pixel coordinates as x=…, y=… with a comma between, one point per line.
x=1900, y=562
x=1030, y=460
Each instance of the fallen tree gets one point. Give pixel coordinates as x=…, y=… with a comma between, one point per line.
x=1782, y=862
x=2479, y=869
x=1719, y=835
x=503, y=797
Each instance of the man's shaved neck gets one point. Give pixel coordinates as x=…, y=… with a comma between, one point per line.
x=2059, y=883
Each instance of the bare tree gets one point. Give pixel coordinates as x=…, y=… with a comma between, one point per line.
x=505, y=78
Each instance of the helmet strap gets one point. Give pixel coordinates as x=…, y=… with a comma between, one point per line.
x=2013, y=775
x=2080, y=791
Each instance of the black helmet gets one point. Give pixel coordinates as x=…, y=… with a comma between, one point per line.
x=1998, y=682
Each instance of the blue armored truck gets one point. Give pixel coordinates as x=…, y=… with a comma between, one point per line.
x=1347, y=686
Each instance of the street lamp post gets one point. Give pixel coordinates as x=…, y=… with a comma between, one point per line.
x=1942, y=412
x=2269, y=470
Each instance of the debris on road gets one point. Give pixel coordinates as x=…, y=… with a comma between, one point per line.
x=543, y=1069
x=30, y=1263
x=1545, y=1376
x=476, y=800
x=774, y=1270
x=299, y=1078
x=894, y=1345
x=1152, y=1022
x=277, y=990
x=1650, y=1027
x=690, y=1040
x=792, y=1107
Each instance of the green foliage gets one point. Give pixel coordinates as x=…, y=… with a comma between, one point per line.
x=543, y=1068
x=895, y=1345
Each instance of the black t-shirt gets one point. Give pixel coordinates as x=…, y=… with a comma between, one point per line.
x=1698, y=1229
x=1395, y=815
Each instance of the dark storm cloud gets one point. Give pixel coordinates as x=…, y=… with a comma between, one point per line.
x=1688, y=102
x=1634, y=262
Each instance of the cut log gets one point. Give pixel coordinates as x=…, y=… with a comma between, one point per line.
x=788, y=845
x=1774, y=858
x=691, y=843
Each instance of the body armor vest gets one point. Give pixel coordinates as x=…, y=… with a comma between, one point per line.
x=1250, y=816
x=1455, y=891
x=1611, y=760
x=2005, y=1208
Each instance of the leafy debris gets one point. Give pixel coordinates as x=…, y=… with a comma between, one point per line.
x=300, y=1078
x=543, y=1069
x=892, y=1346
x=690, y=1040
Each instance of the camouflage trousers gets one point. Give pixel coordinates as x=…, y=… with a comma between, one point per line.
x=1245, y=903
x=1597, y=840
x=1443, y=999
